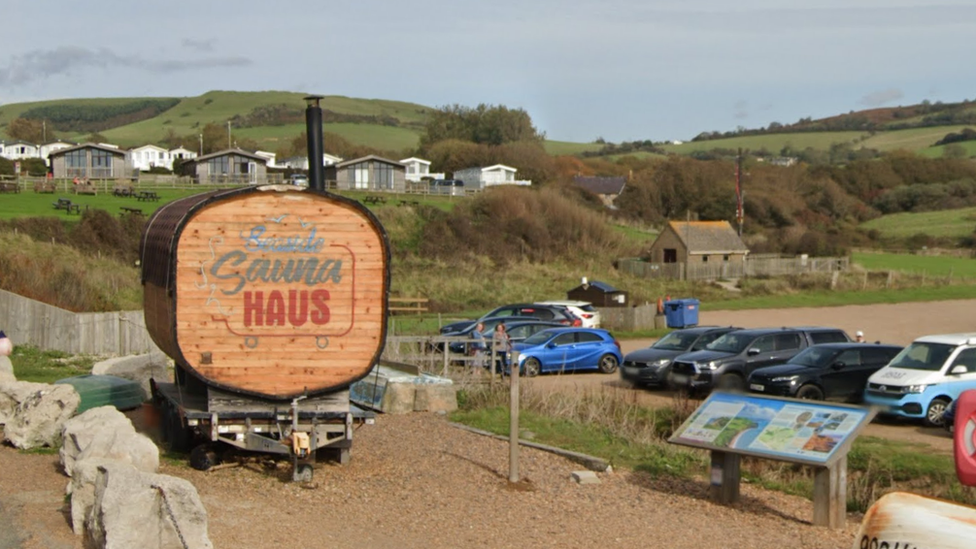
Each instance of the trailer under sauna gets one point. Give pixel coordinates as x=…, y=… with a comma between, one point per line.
x=271, y=300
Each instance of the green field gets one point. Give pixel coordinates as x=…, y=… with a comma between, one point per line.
x=914, y=139
x=772, y=142
x=192, y=113
x=560, y=148
x=939, y=151
x=948, y=223
x=929, y=264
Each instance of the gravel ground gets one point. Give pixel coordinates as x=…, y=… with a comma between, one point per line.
x=416, y=481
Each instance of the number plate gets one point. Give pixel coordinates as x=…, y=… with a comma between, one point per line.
x=679, y=379
x=757, y=387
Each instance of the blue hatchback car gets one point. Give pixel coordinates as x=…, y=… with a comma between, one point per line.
x=568, y=349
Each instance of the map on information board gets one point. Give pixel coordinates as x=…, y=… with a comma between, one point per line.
x=784, y=429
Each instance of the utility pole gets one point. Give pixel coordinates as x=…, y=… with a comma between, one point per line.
x=739, y=214
x=201, y=144
x=228, y=135
x=43, y=131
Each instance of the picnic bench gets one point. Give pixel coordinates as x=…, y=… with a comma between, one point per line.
x=409, y=203
x=129, y=211
x=374, y=199
x=85, y=188
x=68, y=206
x=408, y=305
x=9, y=188
x=123, y=190
x=145, y=196
x=44, y=187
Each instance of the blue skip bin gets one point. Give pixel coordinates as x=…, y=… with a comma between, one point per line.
x=681, y=313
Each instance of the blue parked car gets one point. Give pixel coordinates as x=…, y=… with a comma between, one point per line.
x=568, y=349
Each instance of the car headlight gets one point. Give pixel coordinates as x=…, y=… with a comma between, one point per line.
x=784, y=379
x=661, y=363
x=915, y=388
x=708, y=365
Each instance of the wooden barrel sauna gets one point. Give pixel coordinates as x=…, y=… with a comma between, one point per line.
x=269, y=291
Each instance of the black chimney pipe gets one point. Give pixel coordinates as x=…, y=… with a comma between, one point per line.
x=313, y=128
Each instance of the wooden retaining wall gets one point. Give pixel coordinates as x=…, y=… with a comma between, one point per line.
x=27, y=321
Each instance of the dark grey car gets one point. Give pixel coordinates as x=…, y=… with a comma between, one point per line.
x=652, y=366
x=727, y=362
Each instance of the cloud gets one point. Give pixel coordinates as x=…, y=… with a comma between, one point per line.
x=198, y=45
x=879, y=98
x=40, y=64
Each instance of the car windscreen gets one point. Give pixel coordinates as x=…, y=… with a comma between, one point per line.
x=814, y=357
x=676, y=341
x=922, y=356
x=731, y=343
x=538, y=338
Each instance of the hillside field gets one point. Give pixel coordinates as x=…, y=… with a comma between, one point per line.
x=946, y=223
x=931, y=265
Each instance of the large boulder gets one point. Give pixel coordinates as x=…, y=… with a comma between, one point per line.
x=138, y=368
x=6, y=369
x=105, y=432
x=133, y=509
x=81, y=488
x=435, y=397
x=37, y=420
x=13, y=393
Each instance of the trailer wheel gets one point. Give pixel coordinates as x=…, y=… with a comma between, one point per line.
x=203, y=457
x=302, y=473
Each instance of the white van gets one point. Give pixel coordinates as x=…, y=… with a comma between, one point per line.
x=925, y=377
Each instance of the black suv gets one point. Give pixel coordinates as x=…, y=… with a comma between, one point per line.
x=554, y=313
x=833, y=371
x=727, y=362
x=652, y=365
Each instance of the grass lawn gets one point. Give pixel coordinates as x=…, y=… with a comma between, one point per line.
x=557, y=148
x=914, y=139
x=933, y=265
x=951, y=223
x=30, y=204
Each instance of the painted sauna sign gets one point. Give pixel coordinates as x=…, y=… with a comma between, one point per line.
x=277, y=291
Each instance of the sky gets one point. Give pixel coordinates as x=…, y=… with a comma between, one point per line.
x=622, y=70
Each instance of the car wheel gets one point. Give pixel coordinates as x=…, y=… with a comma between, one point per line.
x=933, y=416
x=608, y=364
x=810, y=392
x=532, y=367
x=731, y=382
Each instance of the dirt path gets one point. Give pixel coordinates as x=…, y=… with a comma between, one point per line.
x=898, y=323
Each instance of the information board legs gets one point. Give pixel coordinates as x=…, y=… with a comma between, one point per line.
x=830, y=495
x=725, y=477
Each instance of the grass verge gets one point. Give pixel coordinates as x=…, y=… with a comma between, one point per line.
x=33, y=364
x=610, y=425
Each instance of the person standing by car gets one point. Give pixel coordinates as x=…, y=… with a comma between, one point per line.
x=478, y=347
x=502, y=344
x=859, y=337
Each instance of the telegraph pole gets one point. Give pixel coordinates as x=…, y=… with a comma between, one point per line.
x=739, y=214
x=228, y=135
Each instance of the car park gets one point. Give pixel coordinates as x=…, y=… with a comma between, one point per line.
x=925, y=378
x=727, y=362
x=588, y=314
x=568, y=349
x=832, y=371
x=554, y=313
x=652, y=365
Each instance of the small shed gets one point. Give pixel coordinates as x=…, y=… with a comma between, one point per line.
x=695, y=242
x=600, y=294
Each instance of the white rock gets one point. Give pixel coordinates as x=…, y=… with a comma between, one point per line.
x=585, y=477
x=13, y=393
x=6, y=369
x=138, y=368
x=82, y=488
x=133, y=509
x=105, y=432
x=37, y=419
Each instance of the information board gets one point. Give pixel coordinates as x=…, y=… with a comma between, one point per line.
x=800, y=431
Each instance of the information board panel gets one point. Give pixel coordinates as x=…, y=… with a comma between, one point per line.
x=800, y=431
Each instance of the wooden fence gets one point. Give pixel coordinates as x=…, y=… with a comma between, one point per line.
x=27, y=321
x=759, y=266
